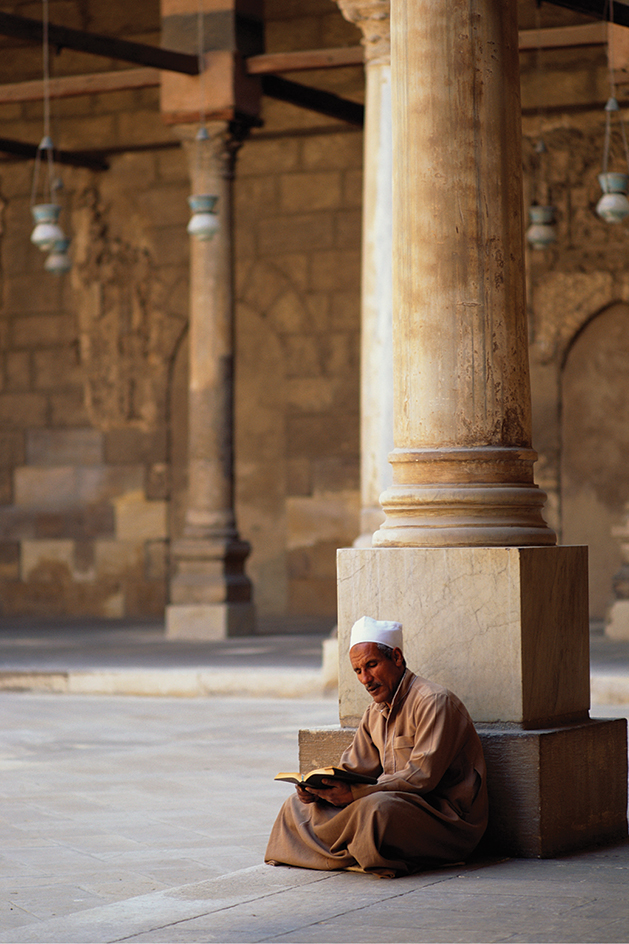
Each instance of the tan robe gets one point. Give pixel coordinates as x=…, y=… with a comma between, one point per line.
x=429, y=806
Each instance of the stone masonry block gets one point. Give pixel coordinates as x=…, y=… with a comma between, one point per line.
x=56, y=367
x=318, y=190
x=68, y=408
x=264, y=156
x=335, y=270
x=299, y=233
x=338, y=432
x=115, y=557
x=18, y=370
x=344, y=149
x=64, y=447
x=22, y=409
x=12, y=451
x=130, y=446
x=139, y=519
x=38, y=558
x=9, y=560
x=41, y=486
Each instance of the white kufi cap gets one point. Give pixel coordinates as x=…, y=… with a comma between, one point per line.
x=367, y=629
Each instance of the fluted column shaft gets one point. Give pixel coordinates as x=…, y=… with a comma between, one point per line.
x=463, y=462
x=376, y=384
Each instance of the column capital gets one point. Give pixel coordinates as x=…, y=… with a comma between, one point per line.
x=373, y=19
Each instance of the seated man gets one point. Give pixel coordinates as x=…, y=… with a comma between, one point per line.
x=429, y=805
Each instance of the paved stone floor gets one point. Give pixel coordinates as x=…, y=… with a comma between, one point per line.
x=145, y=819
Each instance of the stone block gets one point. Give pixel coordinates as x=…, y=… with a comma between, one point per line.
x=337, y=270
x=12, y=451
x=38, y=558
x=139, y=519
x=65, y=486
x=64, y=447
x=113, y=557
x=551, y=791
x=617, y=621
x=9, y=560
x=156, y=560
x=69, y=408
x=22, y=409
x=303, y=356
x=556, y=790
x=349, y=229
x=56, y=367
x=313, y=595
x=309, y=394
x=336, y=473
x=505, y=628
x=158, y=482
x=210, y=621
x=18, y=370
x=338, y=433
x=262, y=156
x=298, y=477
x=344, y=149
x=353, y=188
x=317, y=190
x=130, y=446
x=299, y=233
x=40, y=487
x=6, y=486
x=324, y=516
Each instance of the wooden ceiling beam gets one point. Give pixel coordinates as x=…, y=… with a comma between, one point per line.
x=21, y=27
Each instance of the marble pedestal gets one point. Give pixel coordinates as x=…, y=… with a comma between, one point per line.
x=506, y=628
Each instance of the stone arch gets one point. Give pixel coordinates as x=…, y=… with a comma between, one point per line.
x=594, y=471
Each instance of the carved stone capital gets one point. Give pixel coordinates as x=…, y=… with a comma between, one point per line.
x=373, y=19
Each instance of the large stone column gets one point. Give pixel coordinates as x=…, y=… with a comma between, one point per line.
x=490, y=607
x=376, y=368
x=210, y=592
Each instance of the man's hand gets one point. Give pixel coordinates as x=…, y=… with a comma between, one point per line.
x=335, y=792
x=304, y=794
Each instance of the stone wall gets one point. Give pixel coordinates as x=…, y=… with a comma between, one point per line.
x=93, y=366
x=94, y=370
x=577, y=387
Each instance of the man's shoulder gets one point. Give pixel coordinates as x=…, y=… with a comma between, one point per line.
x=423, y=687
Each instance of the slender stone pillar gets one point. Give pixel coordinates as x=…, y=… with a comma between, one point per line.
x=490, y=607
x=376, y=412
x=210, y=592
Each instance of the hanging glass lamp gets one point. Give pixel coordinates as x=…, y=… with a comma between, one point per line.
x=613, y=206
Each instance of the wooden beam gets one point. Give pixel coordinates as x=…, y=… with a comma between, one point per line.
x=275, y=62
x=20, y=27
x=325, y=103
x=72, y=158
x=68, y=86
x=599, y=9
x=558, y=37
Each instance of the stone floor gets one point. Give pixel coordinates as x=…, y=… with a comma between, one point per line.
x=145, y=819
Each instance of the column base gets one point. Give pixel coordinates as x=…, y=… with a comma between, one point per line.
x=209, y=622
x=551, y=790
x=506, y=628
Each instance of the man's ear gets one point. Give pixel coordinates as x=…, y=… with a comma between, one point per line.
x=398, y=657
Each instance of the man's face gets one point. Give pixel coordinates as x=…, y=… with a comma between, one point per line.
x=379, y=675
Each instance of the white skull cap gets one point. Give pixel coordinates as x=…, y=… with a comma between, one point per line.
x=367, y=629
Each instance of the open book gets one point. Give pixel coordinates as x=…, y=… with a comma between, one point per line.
x=315, y=777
